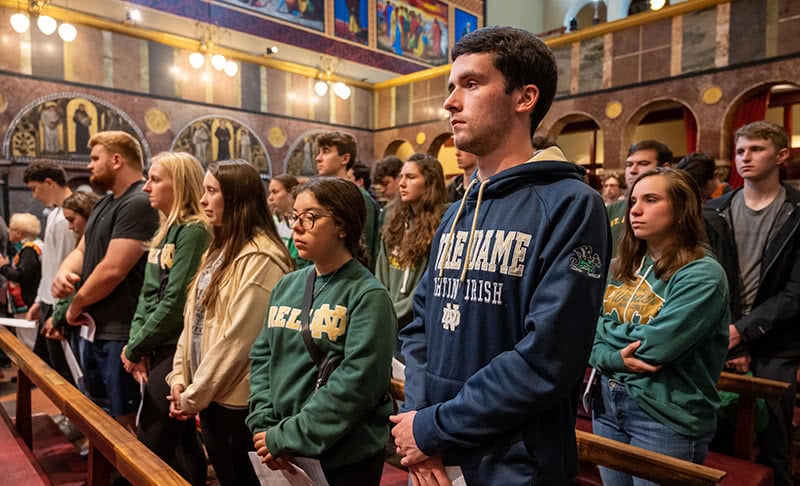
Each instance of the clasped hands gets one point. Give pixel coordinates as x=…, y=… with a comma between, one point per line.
x=424, y=470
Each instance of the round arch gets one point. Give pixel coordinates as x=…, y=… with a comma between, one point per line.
x=24, y=126
x=578, y=5
x=400, y=148
x=444, y=150
x=667, y=130
x=300, y=158
x=202, y=138
x=726, y=130
x=581, y=138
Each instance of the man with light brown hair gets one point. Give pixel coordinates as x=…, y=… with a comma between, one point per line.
x=753, y=232
x=106, y=270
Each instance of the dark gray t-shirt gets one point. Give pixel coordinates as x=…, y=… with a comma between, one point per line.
x=129, y=216
x=752, y=230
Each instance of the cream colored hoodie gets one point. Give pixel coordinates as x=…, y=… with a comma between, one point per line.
x=229, y=329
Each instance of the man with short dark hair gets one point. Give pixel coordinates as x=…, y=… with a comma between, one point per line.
x=359, y=175
x=337, y=155
x=48, y=184
x=755, y=234
x=387, y=176
x=467, y=163
x=106, y=270
x=642, y=156
x=702, y=168
x=505, y=315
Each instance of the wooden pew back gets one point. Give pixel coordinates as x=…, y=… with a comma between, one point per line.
x=111, y=446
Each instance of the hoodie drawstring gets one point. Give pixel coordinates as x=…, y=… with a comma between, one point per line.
x=638, y=286
x=468, y=259
x=452, y=235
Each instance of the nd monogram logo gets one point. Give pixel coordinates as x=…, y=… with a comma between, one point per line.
x=451, y=316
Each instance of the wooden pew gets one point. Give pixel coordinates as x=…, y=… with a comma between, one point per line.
x=111, y=446
x=627, y=458
x=749, y=389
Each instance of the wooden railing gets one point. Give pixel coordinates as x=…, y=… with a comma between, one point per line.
x=629, y=459
x=111, y=446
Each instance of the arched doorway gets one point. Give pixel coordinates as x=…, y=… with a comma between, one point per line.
x=667, y=121
x=401, y=149
x=581, y=139
x=444, y=150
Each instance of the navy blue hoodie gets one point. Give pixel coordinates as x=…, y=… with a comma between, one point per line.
x=498, y=347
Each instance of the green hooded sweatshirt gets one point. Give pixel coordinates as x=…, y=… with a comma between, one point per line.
x=683, y=326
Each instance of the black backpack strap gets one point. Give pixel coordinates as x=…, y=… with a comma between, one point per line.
x=305, y=318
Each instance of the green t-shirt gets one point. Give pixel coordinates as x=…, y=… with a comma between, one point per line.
x=616, y=218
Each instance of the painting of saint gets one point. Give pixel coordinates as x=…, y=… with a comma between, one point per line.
x=223, y=135
x=465, y=23
x=51, y=126
x=83, y=123
x=200, y=140
x=351, y=18
x=245, y=151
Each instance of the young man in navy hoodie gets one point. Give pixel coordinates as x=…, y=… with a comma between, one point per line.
x=505, y=316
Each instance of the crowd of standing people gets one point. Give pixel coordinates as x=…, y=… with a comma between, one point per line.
x=270, y=316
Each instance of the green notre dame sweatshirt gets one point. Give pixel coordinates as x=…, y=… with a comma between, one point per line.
x=344, y=421
x=682, y=324
x=170, y=268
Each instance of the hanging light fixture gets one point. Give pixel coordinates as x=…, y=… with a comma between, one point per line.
x=67, y=32
x=218, y=62
x=47, y=24
x=341, y=90
x=197, y=60
x=231, y=68
x=20, y=22
x=321, y=88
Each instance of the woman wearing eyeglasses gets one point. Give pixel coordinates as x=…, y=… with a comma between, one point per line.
x=321, y=365
x=225, y=306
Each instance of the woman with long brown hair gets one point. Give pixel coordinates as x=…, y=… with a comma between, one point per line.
x=321, y=365
x=662, y=336
x=225, y=307
x=407, y=235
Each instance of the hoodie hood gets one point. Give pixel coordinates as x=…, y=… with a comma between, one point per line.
x=548, y=165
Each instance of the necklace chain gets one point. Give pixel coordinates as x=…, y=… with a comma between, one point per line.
x=324, y=284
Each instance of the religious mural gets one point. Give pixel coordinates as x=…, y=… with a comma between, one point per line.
x=308, y=13
x=465, y=23
x=301, y=159
x=351, y=18
x=413, y=28
x=59, y=126
x=215, y=138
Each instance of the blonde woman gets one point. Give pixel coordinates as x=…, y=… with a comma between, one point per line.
x=174, y=184
x=24, y=272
